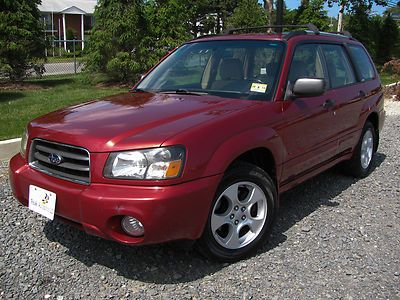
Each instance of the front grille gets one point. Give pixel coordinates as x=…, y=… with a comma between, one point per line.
x=74, y=165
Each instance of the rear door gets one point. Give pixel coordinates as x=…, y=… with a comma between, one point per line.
x=308, y=134
x=345, y=92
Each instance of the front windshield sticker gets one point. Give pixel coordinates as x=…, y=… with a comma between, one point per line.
x=259, y=87
x=263, y=71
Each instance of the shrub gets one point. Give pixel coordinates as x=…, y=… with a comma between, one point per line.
x=392, y=67
x=123, y=66
x=21, y=40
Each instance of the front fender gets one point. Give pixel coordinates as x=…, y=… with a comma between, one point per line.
x=229, y=150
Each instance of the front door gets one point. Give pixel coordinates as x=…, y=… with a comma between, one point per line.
x=308, y=134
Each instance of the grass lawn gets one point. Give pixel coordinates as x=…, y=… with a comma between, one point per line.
x=18, y=107
x=57, y=59
x=387, y=79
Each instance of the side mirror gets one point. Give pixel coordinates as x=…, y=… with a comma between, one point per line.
x=308, y=87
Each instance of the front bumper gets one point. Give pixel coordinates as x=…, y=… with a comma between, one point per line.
x=167, y=212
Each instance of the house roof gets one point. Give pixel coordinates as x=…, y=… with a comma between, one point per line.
x=77, y=7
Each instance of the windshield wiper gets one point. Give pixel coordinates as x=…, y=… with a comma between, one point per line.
x=184, y=92
x=138, y=91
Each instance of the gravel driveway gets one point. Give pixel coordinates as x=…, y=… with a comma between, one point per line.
x=335, y=237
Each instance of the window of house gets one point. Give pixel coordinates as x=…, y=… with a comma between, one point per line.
x=88, y=22
x=47, y=22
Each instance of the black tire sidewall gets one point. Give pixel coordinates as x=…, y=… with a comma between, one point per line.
x=241, y=172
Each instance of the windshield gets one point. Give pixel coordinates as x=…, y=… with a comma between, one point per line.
x=241, y=69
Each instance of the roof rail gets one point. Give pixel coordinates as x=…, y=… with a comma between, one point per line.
x=310, y=27
x=205, y=36
x=344, y=32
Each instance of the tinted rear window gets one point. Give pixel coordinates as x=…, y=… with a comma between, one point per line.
x=362, y=62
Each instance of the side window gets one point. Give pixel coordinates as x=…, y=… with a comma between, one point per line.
x=306, y=63
x=362, y=62
x=339, y=68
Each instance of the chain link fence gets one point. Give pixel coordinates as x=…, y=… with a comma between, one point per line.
x=64, y=57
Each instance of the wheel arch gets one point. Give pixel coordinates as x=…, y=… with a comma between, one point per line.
x=262, y=157
x=261, y=146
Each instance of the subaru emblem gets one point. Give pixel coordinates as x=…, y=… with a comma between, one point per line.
x=55, y=159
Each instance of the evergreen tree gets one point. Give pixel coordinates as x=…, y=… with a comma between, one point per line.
x=21, y=37
x=388, y=41
x=363, y=27
x=168, y=27
x=313, y=12
x=116, y=42
x=248, y=13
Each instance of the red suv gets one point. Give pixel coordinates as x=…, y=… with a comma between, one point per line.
x=204, y=144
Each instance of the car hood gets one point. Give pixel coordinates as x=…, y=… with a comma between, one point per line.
x=131, y=120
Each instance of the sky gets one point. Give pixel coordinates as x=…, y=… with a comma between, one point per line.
x=332, y=11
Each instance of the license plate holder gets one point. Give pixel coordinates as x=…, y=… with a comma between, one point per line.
x=42, y=201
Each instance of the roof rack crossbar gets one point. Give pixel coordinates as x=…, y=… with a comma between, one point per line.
x=310, y=27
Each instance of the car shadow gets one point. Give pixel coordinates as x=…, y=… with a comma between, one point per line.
x=172, y=263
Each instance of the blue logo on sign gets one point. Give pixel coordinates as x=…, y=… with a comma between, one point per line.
x=55, y=159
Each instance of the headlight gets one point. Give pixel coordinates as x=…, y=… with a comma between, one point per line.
x=157, y=163
x=24, y=143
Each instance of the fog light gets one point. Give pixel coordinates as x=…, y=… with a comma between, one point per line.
x=132, y=226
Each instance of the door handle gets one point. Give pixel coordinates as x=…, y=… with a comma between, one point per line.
x=328, y=103
x=361, y=94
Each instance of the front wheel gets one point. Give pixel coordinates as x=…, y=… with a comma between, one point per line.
x=241, y=214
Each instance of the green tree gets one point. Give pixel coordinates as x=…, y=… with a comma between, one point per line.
x=364, y=28
x=289, y=16
x=209, y=16
x=248, y=13
x=21, y=37
x=116, y=43
x=313, y=12
x=168, y=27
x=352, y=4
x=388, y=41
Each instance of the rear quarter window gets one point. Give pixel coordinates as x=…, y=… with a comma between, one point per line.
x=362, y=62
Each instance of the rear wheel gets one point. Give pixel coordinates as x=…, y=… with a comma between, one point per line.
x=361, y=163
x=241, y=214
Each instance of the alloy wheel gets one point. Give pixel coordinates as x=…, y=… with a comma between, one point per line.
x=238, y=215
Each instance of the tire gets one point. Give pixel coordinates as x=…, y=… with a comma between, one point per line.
x=361, y=163
x=241, y=214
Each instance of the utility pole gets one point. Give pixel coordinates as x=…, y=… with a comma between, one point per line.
x=279, y=14
x=340, y=17
x=269, y=8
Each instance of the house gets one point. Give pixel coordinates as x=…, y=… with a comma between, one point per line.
x=61, y=16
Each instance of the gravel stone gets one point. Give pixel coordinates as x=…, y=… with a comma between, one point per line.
x=306, y=228
x=334, y=237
